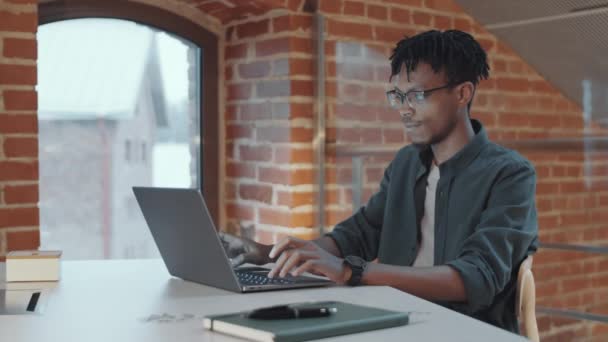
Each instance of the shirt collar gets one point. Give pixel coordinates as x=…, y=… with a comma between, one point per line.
x=463, y=157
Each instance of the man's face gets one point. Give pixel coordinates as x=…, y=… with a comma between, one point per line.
x=432, y=117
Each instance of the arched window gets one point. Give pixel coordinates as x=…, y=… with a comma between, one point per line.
x=127, y=96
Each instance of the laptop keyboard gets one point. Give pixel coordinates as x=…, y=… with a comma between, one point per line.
x=249, y=278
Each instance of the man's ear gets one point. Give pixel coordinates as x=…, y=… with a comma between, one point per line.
x=465, y=93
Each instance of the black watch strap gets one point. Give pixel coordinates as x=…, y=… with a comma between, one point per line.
x=357, y=266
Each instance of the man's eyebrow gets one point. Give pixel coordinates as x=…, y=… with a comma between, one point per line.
x=414, y=88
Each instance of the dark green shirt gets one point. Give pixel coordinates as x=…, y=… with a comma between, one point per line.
x=485, y=221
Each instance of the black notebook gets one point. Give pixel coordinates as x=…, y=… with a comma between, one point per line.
x=349, y=319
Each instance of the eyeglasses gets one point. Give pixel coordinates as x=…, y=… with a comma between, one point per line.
x=414, y=98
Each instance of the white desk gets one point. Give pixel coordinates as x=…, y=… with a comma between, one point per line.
x=124, y=300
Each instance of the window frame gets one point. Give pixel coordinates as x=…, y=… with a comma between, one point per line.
x=209, y=166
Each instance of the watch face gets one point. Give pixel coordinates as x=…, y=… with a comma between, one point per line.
x=355, y=261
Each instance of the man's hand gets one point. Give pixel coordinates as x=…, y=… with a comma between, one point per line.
x=241, y=250
x=297, y=256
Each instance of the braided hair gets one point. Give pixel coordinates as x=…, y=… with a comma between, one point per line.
x=455, y=52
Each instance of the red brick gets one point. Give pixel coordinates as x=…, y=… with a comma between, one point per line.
x=292, y=155
x=371, y=135
x=237, y=51
x=301, y=66
x=229, y=72
x=377, y=12
x=354, y=8
x=254, y=70
x=292, y=23
x=230, y=191
x=513, y=84
x=334, y=216
x=281, y=24
x=16, y=241
x=443, y=5
x=255, y=153
x=302, y=88
x=231, y=112
x=352, y=112
x=545, y=121
x=400, y=16
x=411, y=3
x=462, y=24
x=18, y=217
x=301, y=134
x=272, y=47
x=421, y=18
x=391, y=34
x=12, y=170
x=18, y=123
x=20, y=48
x=572, y=187
x=240, y=170
x=21, y=147
x=346, y=135
x=443, y=22
x=303, y=45
x=253, y=29
x=21, y=22
x=295, y=199
x=256, y=192
x=20, y=194
x=393, y=135
x=349, y=29
x=302, y=176
x=513, y=120
x=304, y=220
x=274, y=216
x=296, y=5
x=240, y=91
x=575, y=219
x=234, y=131
x=330, y=7
x=273, y=175
x=240, y=211
x=20, y=100
x=542, y=87
x=212, y=7
x=351, y=92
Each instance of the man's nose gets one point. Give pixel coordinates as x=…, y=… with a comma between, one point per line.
x=404, y=113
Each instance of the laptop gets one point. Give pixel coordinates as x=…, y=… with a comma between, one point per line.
x=188, y=242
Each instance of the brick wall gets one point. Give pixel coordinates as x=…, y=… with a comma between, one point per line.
x=269, y=127
x=515, y=104
x=18, y=126
x=269, y=86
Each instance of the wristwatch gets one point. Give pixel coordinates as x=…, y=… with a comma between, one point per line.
x=357, y=266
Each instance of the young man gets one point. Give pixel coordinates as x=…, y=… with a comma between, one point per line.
x=455, y=213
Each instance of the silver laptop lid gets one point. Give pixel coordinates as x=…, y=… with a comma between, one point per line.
x=186, y=236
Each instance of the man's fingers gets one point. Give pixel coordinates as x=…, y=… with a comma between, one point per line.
x=279, y=264
x=288, y=242
x=307, y=266
x=295, y=259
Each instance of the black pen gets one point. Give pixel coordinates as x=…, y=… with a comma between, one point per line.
x=289, y=312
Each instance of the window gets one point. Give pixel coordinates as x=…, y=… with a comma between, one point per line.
x=116, y=109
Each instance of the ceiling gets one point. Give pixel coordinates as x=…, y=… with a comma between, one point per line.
x=564, y=40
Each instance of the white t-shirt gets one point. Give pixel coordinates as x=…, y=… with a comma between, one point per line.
x=426, y=250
